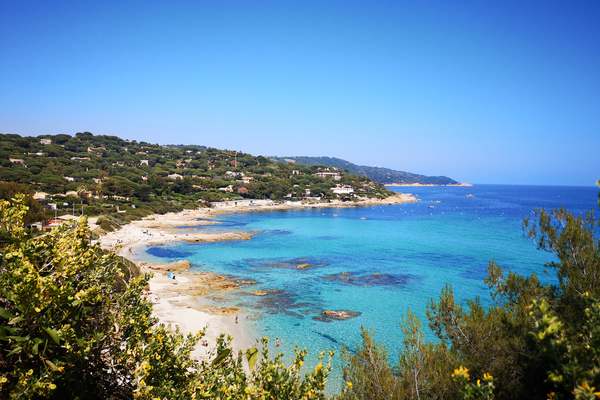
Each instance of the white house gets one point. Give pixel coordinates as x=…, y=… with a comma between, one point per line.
x=329, y=175
x=342, y=189
x=174, y=177
x=232, y=174
x=40, y=195
x=45, y=141
x=241, y=203
x=144, y=162
x=18, y=161
x=228, y=189
x=69, y=179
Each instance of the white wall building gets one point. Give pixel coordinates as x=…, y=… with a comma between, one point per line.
x=342, y=189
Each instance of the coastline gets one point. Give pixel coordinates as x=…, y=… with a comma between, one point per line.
x=176, y=301
x=460, y=184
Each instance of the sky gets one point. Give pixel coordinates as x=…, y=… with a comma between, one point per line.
x=484, y=92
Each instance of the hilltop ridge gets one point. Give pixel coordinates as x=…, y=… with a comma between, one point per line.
x=378, y=174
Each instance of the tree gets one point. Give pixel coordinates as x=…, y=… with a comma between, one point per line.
x=74, y=323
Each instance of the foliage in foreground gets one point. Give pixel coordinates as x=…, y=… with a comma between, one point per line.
x=74, y=323
x=535, y=341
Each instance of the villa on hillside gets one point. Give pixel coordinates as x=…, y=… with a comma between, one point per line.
x=342, y=189
x=241, y=203
x=17, y=161
x=174, y=177
x=228, y=189
x=45, y=141
x=329, y=175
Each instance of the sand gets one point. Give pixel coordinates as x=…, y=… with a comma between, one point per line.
x=176, y=301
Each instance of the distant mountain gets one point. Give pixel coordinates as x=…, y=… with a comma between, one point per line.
x=377, y=174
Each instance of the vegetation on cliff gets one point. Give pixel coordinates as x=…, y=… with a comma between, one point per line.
x=127, y=179
x=377, y=174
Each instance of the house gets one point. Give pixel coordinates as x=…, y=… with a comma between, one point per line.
x=17, y=161
x=295, y=172
x=37, y=225
x=144, y=178
x=97, y=180
x=242, y=190
x=40, y=195
x=307, y=192
x=46, y=141
x=144, y=163
x=80, y=158
x=72, y=193
x=39, y=154
x=69, y=178
x=228, y=189
x=96, y=149
x=241, y=203
x=329, y=175
x=247, y=179
x=342, y=189
x=174, y=177
x=232, y=174
x=61, y=220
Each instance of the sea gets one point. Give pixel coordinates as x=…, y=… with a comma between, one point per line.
x=374, y=262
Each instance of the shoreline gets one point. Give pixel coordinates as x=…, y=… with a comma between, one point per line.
x=177, y=301
x=460, y=184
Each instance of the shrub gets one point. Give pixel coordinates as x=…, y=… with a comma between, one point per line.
x=74, y=323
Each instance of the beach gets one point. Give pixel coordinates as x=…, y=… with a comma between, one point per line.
x=176, y=300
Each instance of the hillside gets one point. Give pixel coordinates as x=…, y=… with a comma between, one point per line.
x=125, y=178
x=377, y=174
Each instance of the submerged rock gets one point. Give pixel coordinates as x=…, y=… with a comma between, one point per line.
x=375, y=279
x=300, y=264
x=336, y=315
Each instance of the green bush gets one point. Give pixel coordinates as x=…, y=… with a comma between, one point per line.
x=74, y=323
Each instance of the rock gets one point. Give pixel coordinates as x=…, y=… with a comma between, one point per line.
x=337, y=315
x=182, y=265
x=260, y=293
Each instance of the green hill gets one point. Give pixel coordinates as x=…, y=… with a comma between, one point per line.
x=128, y=179
x=377, y=174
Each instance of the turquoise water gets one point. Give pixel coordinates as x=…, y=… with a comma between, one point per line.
x=394, y=258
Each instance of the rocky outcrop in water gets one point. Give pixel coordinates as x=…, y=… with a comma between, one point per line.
x=336, y=315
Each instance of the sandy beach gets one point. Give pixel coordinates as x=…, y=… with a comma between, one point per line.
x=176, y=301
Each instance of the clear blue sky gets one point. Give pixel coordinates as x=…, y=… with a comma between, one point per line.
x=488, y=92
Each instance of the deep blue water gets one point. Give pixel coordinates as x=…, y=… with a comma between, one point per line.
x=377, y=261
